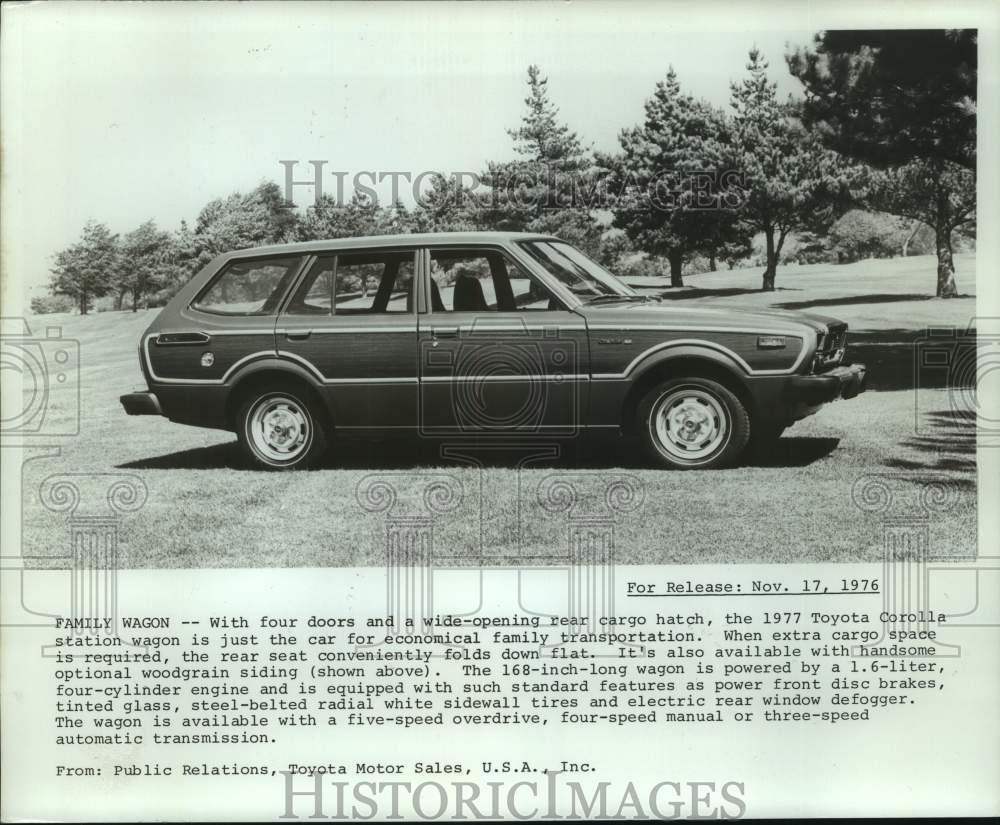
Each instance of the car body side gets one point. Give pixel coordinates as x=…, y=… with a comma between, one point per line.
x=381, y=384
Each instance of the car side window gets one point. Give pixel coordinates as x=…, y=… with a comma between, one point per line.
x=484, y=281
x=374, y=282
x=248, y=287
x=356, y=283
x=314, y=295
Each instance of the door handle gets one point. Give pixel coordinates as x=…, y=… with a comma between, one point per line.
x=297, y=334
x=444, y=332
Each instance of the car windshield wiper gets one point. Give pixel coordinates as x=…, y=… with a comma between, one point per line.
x=604, y=299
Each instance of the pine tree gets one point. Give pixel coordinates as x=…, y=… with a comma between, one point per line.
x=937, y=192
x=86, y=270
x=261, y=216
x=903, y=101
x=144, y=253
x=790, y=181
x=553, y=172
x=541, y=137
x=325, y=219
x=666, y=178
x=447, y=205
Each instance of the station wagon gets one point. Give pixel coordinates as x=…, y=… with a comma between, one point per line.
x=482, y=335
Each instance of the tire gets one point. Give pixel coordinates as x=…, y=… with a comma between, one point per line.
x=279, y=428
x=692, y=423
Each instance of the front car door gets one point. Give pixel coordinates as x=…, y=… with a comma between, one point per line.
x=352, y=322
x=499, y=351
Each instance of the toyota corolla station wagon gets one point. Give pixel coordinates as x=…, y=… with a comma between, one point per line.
x=479, y=335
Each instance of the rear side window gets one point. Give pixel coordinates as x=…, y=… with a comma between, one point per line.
x=249, y=287
x=374, y=283
x=356, y=283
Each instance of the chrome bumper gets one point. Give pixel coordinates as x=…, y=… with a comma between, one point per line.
x=840, y=382
x=141, y=403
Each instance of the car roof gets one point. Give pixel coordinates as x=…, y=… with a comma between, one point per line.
x=380, y=241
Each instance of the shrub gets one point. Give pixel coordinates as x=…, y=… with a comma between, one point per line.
x=161, y=297
x=48, y=304
x=811, y=248
x=858, y=235
x=697, y=264
x=640, y=266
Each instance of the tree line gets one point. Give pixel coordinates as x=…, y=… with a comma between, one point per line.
x=878, y=158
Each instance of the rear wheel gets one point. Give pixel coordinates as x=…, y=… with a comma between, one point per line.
x=279, y=429
x=688, y=423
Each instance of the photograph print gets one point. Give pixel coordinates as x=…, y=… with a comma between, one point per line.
x=723, y=306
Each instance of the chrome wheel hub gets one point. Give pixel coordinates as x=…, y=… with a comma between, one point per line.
x=279, y=428
x=689, y=423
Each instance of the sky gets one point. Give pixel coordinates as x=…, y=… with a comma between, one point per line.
x=123, y=112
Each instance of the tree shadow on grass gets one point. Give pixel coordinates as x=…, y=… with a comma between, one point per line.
x=722, y=292
x=906, y=359
x=420, y=454
x=947, y=442
x=941, y=464
x=850, y=300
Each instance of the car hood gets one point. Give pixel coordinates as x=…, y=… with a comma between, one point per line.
x=683, y=314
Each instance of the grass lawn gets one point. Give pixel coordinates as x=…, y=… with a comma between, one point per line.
x=204, y=510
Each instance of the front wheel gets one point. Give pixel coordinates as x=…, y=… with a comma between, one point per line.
x=688, y=423
x=278, y=429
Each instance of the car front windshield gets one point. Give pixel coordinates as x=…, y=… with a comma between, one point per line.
x=574, y=270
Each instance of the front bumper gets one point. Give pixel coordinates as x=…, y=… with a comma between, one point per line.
x=841, y=382
x=141, y=403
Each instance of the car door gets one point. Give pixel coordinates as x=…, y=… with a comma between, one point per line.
x=352, y=322
x=499, y=353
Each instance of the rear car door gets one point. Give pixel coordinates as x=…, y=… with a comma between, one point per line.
x=351, y=321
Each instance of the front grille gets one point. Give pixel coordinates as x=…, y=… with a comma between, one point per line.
x=831, y=348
